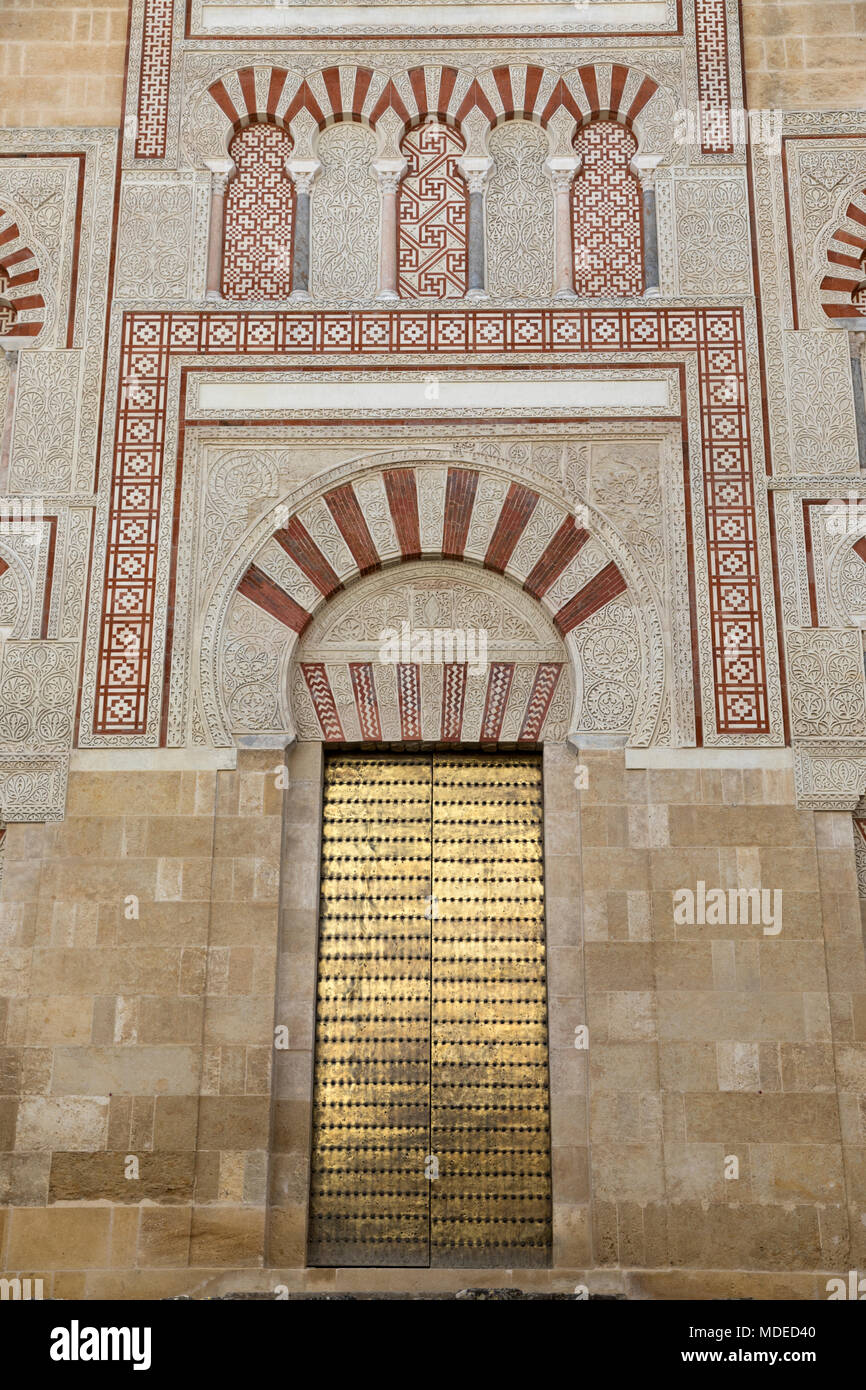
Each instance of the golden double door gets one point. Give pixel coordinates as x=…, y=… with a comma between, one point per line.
x=431, y=1135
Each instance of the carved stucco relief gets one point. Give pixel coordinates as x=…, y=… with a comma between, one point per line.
x=823, y=429
x=38, y=683
x=162, y=238
x=431, y=595
x=46, y=422
x=345, y=216
x=648, y=643
x=519, y=214
x=712, y=254
x=58, y=397
x=826, y=681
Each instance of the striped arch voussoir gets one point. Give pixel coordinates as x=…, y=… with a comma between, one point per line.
x=292, y=576
x=846, y=259
x=20, y=271
x=610, y=91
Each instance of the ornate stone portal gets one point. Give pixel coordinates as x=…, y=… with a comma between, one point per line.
x=440, y=391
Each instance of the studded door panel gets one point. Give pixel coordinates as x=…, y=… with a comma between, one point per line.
x=430, y=1117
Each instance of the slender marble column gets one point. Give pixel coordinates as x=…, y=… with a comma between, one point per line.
x=303, y=173
x=562, y=171
x=389, y=172
x=645, y=166
x=476, y=170
x=221, y=172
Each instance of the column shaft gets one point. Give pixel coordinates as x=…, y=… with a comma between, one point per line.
x=650, y=240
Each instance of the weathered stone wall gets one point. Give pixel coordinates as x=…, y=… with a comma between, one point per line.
x=147, y=1036
x=715, y=1041
x=61, y=62
x=803, y=55
x=151, y=1037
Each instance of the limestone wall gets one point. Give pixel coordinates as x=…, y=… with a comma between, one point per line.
x=147, y=1036
x=151, y=1037
x=805, y=54
x=61, y=62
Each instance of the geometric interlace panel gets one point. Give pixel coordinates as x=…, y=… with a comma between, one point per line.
x=259, y=206
x=607, y=208
x=7, y=313
x=432, y=254
x=431, y=1126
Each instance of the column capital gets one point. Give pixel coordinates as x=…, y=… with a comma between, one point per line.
x=389, y=172
x=645, y=167
x=476, y=170
x=14, y=343
x=221, y=171
x=857, y=335
x=303, y=173
x=561, y=171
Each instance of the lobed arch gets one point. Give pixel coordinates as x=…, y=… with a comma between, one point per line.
x=846, y=259
x=613, y=91
x=20, y=270
x=393, y=511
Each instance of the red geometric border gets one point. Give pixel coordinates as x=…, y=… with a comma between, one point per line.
x=150, y=340
x=714, y=80
x=156, y=39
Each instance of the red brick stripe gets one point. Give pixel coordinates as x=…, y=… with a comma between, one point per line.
x=568, y=542
x=543, y=690
x=453, y=698
x=304, y=98
x=459, y=501
x=323, y=699
x=590, y=86
x=618, y=79
x=837, y=258
x=860, y=548
x=390, y=97
x=832, y=282
x=363, y=78
x=606, y=585
x=247, y=79
x=498, y=690
x=331, y=79
x=850, y=239
x=516, y=511
x=561, y=96
x=476, y=97
x=447, y=83
x=502, y=78
x=299, y=544
x=346, y=511
x=419, y=89
x=25, y=254
x=3, y=566
x=409, y=695
x=534, y=76
x=27, y=277
x=224, y=102
x=645, y=92
x=403, y=500
x=366, y=702
x=262, y=590
x=278, y=80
